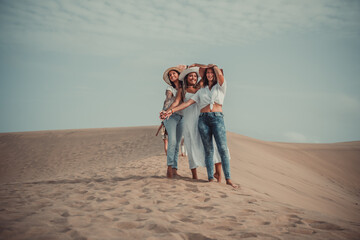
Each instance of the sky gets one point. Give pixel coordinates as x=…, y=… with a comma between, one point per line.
x=292, y=67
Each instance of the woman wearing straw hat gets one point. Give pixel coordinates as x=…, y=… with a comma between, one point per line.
x=211, y=120
x=193, y=143
x=173, y=124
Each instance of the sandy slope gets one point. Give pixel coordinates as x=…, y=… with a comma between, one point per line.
x=110, y=184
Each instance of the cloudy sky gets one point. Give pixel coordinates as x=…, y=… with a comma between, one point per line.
x=292, y=67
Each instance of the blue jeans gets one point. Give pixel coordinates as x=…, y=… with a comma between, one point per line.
x=174, y=127
x=212, y=123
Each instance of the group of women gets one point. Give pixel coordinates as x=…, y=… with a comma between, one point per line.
x=193, y=109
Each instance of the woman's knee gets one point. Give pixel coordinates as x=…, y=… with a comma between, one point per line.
x=223, y=149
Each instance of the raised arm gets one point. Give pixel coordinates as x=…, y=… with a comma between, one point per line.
x=219, y=75
x=198, y=65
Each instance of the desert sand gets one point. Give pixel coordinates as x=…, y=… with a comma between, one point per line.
x=110, y=184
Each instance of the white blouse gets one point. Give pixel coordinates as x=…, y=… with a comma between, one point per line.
x=205, y=96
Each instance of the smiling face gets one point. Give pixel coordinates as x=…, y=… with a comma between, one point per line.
x=173, y=75
x=191, y=79
x=210, y=75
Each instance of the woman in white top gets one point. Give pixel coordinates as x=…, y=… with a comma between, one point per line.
x=193, y=142
x=211, y=120
x=173, y=124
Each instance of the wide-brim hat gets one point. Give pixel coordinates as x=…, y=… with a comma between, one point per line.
x=178, y=68
x=187, y=71
x=203, y=69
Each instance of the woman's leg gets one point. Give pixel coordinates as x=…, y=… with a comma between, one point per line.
x=194, y=173
x=206, y=138
x=218, y=128
x=165, y=145
x=173, y=148
x=217, y=173
x=179, y=134
x=182, y=147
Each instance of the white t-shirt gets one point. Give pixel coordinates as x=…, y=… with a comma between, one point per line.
x=205, y=96
x=171, y=89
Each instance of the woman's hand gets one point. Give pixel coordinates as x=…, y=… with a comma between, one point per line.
x=168, y=113
x=165, y=114
x=162, y=115
x=211, y=65
x=198, y=65
x=182, y=67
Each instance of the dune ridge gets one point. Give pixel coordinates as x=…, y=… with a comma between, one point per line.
x=110, y=184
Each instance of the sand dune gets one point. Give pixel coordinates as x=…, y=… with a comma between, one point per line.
x=110, y=184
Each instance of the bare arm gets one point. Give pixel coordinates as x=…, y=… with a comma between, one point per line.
x=177, y=99
x=219, y=75
x=182, y=106
x=198, y=65
x=167, y=101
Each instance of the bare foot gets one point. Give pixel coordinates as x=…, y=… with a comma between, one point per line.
x=228, y=182
x=174, y=173
x=169, y=173
x=217, y=176
x=194, y=173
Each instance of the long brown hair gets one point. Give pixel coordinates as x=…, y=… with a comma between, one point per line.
x=206, y=81
x=185, y=83
x=173, y=84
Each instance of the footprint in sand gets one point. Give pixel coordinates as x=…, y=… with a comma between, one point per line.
x=206, y=208
x=248, y=235
x=140, y=209
x=145, y=196
x=61, y=220
x=249, y=211
x=253, y=235
x=190, y=219
x=305, y=231
x=101, y=199
x=76, y=235
x=294, y=219
x=126, y=225
x=191, y=188
x=197, y=236
x=159, y=228
x=251, y=201
x=90, y=198
x=81, y=191
x=65, y=214
x=323, y=225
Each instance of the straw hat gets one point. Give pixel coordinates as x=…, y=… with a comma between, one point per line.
x=178, y=68
x=187, y=71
